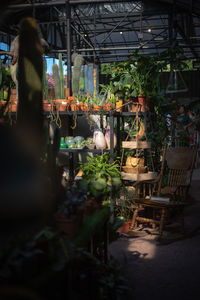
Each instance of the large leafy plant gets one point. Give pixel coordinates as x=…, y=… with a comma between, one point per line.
x=100, y=177
x=108, y=92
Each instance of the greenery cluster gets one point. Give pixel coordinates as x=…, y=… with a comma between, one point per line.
x=100, y=176
x=140, y=74
x=46, y=266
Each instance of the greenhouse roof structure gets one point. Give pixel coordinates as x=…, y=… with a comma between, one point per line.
x=106, y=31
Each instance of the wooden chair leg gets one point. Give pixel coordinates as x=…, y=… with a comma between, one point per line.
x=154, y=217
x=162, y=219
x=133, y=222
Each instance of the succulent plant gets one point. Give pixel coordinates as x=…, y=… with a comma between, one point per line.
x=71, y=206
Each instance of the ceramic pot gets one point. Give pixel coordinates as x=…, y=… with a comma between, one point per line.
x=79, y=144
x=66, y=226
x=61, y=104
x=99, y=139
x=125, y=227
x=62, y=143
x=74, y=107
x=81, y=106
x=13, y=106
x=107, y=138
x=85, y=107
x=69, y=141
x=13, y=94
x=71, y=145
x=78, y=138
x=141, y=100
x=108, y=106
x=46, y=105
x=96, y=108
x=119, y=103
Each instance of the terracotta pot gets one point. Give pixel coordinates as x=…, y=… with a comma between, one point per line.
x=71, y=99
x=108, y=106
x=96, y=108
x=13, y=94
x=81, y=106
x=60, y=104
x=68, y=227
x=13, y=106
x=85, y=107
x=46, y=105
x=119, y=103
x=74, y=107
x=125, y=227
x=90, y=206
x=141, y=100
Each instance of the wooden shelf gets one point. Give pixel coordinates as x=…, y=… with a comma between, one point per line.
x=74, y=150
x=81, y=113
x=139, y=177
x=136, y=145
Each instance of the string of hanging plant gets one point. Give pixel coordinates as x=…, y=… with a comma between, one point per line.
x=90, y=122
x=58, y=119
x=74, y=120
x=51, y=113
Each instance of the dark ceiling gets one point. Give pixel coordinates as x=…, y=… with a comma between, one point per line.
x=109, y=31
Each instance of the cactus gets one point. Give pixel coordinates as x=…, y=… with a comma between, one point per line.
x=30, y=70
x=62, y=80
x=78, y=60
x=44, y=79
x=56, y=80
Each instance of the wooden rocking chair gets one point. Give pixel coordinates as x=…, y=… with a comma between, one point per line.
x=180, y=163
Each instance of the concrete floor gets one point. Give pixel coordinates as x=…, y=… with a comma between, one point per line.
x=165, y=271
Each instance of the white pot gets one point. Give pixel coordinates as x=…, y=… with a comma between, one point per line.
x=99, y=140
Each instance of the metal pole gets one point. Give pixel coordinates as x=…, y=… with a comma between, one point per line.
x=68, y=40
x=111, y=138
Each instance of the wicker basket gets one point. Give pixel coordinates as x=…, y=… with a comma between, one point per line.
x=132, y=170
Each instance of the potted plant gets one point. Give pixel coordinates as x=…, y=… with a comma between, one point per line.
x=89, y=143
x=70, y=213
x=100, y=177
x=109, y=98
x=96, y=101
x=7, y=89
x=74, y=105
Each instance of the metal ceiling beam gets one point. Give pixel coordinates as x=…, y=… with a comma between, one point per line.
x=187, y=41
x=58, y=3
x=118, y=48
